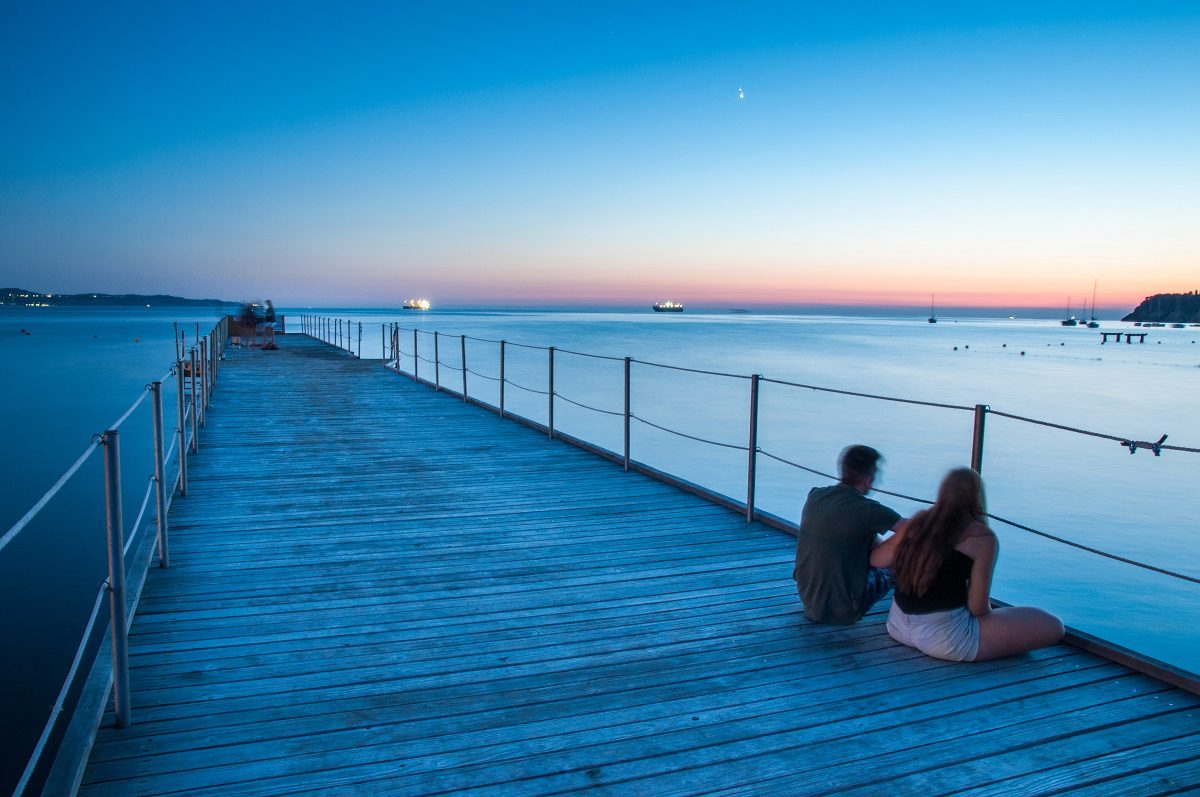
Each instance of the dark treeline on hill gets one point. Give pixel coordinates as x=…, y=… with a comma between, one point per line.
x=24, y=298
x=1168, y=308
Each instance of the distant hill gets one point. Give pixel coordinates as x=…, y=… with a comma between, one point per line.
x=24, y=298
x=1168, y=308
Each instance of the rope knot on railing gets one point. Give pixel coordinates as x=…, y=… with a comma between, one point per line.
x=1156, y=446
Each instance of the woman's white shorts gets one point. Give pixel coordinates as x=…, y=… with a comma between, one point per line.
x=952, y=635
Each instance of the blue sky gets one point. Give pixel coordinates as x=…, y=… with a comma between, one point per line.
x=358, y=154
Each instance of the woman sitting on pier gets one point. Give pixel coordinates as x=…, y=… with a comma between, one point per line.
x=943, y=561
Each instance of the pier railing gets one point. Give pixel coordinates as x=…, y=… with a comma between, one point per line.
x=131, y=548
x=422, y=355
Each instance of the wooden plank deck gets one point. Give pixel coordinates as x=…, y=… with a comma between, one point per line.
x=379, y=589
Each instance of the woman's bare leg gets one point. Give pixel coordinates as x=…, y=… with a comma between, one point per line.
x=1016, y=629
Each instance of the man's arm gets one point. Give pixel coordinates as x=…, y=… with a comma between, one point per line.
x=883, y=554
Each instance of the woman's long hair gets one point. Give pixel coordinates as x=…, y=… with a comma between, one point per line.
x=932, y=533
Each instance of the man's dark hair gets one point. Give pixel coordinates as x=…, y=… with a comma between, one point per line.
x=857, y=463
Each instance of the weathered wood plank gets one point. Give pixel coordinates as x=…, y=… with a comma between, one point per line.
x=377, y=588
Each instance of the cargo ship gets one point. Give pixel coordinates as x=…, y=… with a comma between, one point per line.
x=667, y=307
x=415, y=304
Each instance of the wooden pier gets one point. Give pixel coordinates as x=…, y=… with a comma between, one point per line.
x=380, y=589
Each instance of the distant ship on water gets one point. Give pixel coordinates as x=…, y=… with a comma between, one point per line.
x=415, y=304
x=667, y=307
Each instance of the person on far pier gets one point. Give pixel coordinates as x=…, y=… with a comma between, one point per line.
x=943, y=560
x=839, y=527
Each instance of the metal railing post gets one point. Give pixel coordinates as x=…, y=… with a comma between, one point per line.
x=349, y=337
x=628, y=362
x=416, y=359
x=359, y=355
x=195, y=426
x=383, y=341
x=464, y=365
x=981, y=411
x=502, y=380
x=203, y=360
x=437, y=363
x=160, y=468
x=182, y=428
x=116, y=575
x=550, y=395
x=752, y=459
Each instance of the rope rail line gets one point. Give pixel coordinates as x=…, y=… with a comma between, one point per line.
x=586, y=406
x=688, y=436
x=690, y=370
x=868, y=395
x=519, y=386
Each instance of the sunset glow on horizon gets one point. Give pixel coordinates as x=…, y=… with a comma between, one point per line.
x=480, y=155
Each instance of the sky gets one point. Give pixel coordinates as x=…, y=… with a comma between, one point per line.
x=506, y=154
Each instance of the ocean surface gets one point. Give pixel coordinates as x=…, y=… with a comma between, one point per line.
x=78, y=370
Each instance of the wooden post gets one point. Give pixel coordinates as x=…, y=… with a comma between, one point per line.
x=550, y=396
x=628, y=361
x=116, y=576
x=981, y=411
x=752, y=459
x=502, y=379
x=160, y=488
x=464, y=365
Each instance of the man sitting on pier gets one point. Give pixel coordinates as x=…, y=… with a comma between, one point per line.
x=838, y=528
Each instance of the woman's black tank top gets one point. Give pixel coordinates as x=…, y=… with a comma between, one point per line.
x=947, y=591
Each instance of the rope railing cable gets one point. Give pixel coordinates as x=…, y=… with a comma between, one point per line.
x=483, y=376
x=1125, y=441
x=831, y=477
x=60, y=701
x=17, y=527
x=528, y=346
x=519, y=386
x=128, y=412
x=171, y=451
x=137, y=524
x=1097, y=551
x=448, y=365
x=427, y=360
x=586, y=406
x=688, y=436
x=482, y=340
x=690, y=370
x=869, y=395
x=593, y=356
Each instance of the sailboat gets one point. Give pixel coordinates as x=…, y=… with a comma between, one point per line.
x=1069, y=321
x=932, y=315
x=1092, y=322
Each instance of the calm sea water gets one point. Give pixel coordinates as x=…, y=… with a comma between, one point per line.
x=80, y=369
